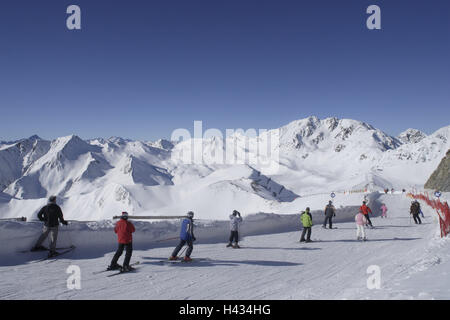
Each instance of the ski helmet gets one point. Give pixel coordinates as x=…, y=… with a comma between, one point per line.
x=125, y=215
x=190, y=214
x=307, y=209
x=52, y=199
x=235, y=212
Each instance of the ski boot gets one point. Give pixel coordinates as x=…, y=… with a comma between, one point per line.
x=302, y=240
x=236, y=246
x=38, y=248
x=229, y=245
x=114, y=267
x=172, y=258
x=127, y=269
x=187, y=259
x=309, y=240
x=52, y=254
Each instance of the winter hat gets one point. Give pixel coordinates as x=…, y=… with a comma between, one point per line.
x=52, y=199
x=235, y=212
x=125, y=215
x=307, y=209
x=330, y=202
x=190, y=214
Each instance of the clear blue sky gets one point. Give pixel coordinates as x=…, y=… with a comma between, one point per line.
x=142, y=68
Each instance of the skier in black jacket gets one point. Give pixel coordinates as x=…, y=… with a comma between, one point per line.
x=330, y=212
x=51, y=215
x=415, y=211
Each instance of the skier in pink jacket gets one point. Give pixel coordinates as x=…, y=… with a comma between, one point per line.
x=361, y=221
x=384, y=209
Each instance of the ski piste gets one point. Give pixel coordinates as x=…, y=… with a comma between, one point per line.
x=106, y=270
x=54, y=258
x=122, y=272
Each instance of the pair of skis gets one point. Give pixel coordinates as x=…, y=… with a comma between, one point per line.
x=55, y=256
x=118, y=271
x=183, y=261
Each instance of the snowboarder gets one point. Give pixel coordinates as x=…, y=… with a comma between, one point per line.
x=51, y=215
x=329, y=212
x=235, y=220
x=124, y=230
x=186, y=237
x=365, y=211
x=415, y=211
x=306, y=219
x=384, y=209
x=361, y=221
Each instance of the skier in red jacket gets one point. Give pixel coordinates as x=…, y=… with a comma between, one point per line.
x=124, y=230
x=365, y=211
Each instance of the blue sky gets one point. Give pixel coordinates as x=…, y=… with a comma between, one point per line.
x=142, y=68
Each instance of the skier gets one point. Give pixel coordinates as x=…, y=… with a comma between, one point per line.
x=235, y=220
x=51, y=215
x=384, y=209
x=186, y=237
x=415, y=211
x=365, y=211
x=124, y=230
x=329, y=212
x=361, y=221
x=306, y=219
x=420, y=209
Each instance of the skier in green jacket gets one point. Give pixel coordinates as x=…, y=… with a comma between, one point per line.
x=306, y=219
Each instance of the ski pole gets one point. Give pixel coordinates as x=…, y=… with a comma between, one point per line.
x=182, y=251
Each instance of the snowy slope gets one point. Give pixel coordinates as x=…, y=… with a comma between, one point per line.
x=272, y=264
x=98, y=178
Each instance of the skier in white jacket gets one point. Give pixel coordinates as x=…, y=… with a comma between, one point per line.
x=235, y=221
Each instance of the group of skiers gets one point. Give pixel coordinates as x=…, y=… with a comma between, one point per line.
x=362, y=219
x=52, y=215
x=125, y=228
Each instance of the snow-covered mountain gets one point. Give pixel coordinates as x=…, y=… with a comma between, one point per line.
x=97, y=178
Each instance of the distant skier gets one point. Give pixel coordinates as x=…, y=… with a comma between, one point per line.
x=361, y=221
x=306, y=219
x=365, y=211
x=235, y=221
x=330, y=212
x=420, y=209
x=415, y=211
x=186, y=237
x=384, y=209
x=124, y=230
x=51, y=215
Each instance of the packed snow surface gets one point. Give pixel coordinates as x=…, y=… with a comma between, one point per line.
x=271, y=264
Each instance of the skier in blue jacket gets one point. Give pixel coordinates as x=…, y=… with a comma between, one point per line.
x=186, y=237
